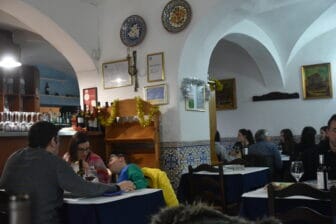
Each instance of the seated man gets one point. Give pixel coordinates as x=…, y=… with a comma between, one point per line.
x=327, y=147
x=263, y=147
x=38, y=171
x=118, y=165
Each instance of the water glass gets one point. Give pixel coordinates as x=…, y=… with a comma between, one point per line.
x=296, y=170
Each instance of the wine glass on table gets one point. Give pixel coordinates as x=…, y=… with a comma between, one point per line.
x=296, y=170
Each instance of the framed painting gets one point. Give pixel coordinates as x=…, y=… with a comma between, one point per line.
x=196, y=100
x=90, y=98
x=316, y=81
x=226, y=98
x=156, y=95
x=115, y=74
x=155, y=67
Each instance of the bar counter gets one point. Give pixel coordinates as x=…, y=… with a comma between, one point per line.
x=12, y=141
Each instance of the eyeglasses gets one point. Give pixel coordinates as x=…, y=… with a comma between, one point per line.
x=84, y=149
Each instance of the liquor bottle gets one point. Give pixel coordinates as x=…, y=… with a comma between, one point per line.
x=80, y=171
x=322, y=174
x=47, y=89
x=80, y=118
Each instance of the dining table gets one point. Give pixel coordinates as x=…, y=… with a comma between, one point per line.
x=254, y=203
x=129, y=207
x=236, y=180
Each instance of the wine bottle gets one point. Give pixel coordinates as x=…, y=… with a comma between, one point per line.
x=322, y=174
x=80, y=171
x=80, y=118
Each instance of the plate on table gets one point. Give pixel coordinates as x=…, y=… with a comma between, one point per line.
x=133, y=30
x=176, y=15
x=281, y=185
x=234, y=167
x=112, y=193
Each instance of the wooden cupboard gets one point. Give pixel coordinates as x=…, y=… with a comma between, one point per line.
x=141, y=144
x=19, y=89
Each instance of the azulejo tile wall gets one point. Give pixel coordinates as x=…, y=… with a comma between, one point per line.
x=177, y=156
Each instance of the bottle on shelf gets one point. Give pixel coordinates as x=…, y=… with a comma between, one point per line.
x=80, y=171
x=47, y=89
x=322, y=174
x=80, y=118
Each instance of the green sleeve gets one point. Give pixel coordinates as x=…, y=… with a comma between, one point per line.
x=136, y=176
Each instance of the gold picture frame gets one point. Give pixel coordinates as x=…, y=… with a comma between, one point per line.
x=316, y=81
x=226, y=99
x=157, y=94
x=155, y=67
x=115, y=74
x=196, y=100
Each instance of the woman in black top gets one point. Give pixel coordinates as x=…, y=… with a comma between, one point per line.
x=287, y=143
x=245, y=139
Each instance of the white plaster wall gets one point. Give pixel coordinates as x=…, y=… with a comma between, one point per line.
x=157, y=39
x=231, y=61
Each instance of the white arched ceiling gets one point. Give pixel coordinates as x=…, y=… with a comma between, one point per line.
x=261, y=48
x=50, y=31
x=320, y=26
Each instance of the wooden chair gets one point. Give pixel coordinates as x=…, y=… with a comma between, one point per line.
x=238, y=161
x=209, y=189
x=4, y=199
x=302, y=213
x=261, y=161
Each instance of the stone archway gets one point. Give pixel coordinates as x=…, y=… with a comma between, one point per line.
x=50, y=31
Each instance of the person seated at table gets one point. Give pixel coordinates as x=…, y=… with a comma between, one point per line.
x=245, y=139
x=221, y=152
x=119, y=165
x=307, y=152
x=265, y=148
x=287, y=143
x=323, y=133
x=79, y=149
x=38, y=171
x=328, y=148
x=200, y=213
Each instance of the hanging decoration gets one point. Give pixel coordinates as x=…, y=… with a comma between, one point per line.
x=107, y=118
x=141, y=115
x=187, y=84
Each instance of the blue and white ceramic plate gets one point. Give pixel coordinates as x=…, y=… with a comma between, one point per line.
x=133, y=31
x=176, y=15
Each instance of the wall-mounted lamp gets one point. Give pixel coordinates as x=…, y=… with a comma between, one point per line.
x=132, y=69
x=9, y=52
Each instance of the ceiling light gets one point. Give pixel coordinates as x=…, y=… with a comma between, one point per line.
x=9, y=62
x=9, y=52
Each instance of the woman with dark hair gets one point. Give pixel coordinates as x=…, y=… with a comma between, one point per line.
x=245, y=139
x=287, y=143
x=307, y=152
x=221, y=151
x=79, y=151
x=323, y=133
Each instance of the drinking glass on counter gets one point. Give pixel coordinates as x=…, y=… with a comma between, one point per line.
x=296, y=170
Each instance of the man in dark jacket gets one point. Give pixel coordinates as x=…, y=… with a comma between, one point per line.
x=37, y=171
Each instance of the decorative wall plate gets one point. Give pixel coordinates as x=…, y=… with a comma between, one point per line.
x=133, y=30
x=176, y=15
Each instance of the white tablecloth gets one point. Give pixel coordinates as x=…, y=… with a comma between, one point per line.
x=107, y=199
x=229, y=171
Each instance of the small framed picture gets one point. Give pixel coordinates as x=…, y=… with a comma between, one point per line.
x=196, y=101
x=155, y=67
x=115, y=74
x=316, y=81
x=226, y=98
x=156, y=95
x=90, y=98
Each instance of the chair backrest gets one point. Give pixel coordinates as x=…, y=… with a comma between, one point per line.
x=238, y=161
x=207, y=188
x=302, y=213
x=260, y=161
x=4, y=214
